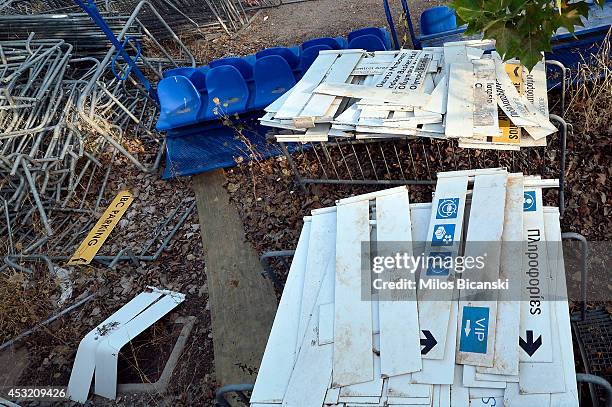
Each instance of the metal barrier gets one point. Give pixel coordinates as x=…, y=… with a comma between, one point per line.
x=406, y=161
x=598, y=381
x=63, y=121
x=205, y=16
x=281, y=256
x=238, y=391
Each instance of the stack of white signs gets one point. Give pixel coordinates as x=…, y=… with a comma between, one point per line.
x=334, y=341
x=456, y=92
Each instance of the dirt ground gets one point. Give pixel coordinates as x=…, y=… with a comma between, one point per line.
x=292, y=24
x=181, y=266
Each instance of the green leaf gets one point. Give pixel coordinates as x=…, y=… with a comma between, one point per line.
x=494, y=7
x=521, y=28
x=570, y=15
x=467, y=10
x=507, y=39
x=530, y=53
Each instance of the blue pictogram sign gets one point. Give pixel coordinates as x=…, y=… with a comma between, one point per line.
x=437, y=262
x=447, y=208
x=529, y=202
x=474, y=330
x=443, y=235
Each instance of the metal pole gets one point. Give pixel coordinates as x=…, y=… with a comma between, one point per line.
x=391, y=23
x=239, y=389
x=415, y=40
x=47, y=322
x=93, y=12
x=583, y=271
x=599, y=381
x=266, y=264
x=562, y=147
x=564, y=80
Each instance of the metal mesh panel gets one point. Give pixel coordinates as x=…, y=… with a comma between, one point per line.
x=594, y=336
x=182, y=15
x=406, y=161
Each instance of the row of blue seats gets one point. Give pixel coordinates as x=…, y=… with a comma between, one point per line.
x=240, y=84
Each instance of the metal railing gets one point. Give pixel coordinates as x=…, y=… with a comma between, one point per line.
x=409, y=161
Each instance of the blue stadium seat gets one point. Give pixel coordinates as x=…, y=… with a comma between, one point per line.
x=437, y=20
x=195, y=75
x=310, y=54
x=382, y=34
x=368, y=42
x=179, y=102
x=330, y=42
x=226, y=84
x=243, y=66
x=245, y=84
x=204, y=69
x=273, y=77
x=292, y=59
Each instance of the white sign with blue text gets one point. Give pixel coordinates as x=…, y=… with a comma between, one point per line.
x=535, y=340
x=478, y=308
x=444, y=235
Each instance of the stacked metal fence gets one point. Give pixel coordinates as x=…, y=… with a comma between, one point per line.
x=64, y=121
x=77, y=29
x=199, y=16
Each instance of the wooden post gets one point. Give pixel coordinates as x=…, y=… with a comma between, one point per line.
x=242, y=302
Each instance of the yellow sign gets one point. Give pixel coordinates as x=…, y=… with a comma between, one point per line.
x=103, y=228
x=511, y=134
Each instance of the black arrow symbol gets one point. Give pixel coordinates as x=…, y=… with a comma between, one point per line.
x=429, y=342
x=530, y=347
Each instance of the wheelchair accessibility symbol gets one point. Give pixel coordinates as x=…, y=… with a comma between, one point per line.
x=447, y=208
x=529, y=202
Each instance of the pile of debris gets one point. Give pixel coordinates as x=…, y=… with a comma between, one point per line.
x=60, y=120
x=453, y=92
x=357, y=326
x=74, y=131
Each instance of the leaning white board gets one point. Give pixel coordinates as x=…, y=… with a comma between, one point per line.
x=535, y=306
x=279, y=356
x=302, y=91
x=433, y=371
x=339, y=72
x=506, y=361
x=538, y=377
x=353, y=356
x=311, y=374
x=443, y=237
x=569, y=398
x=460, y=107
x=321, y=249
x=441, y=371
x=478, y=308
x=400, y=348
